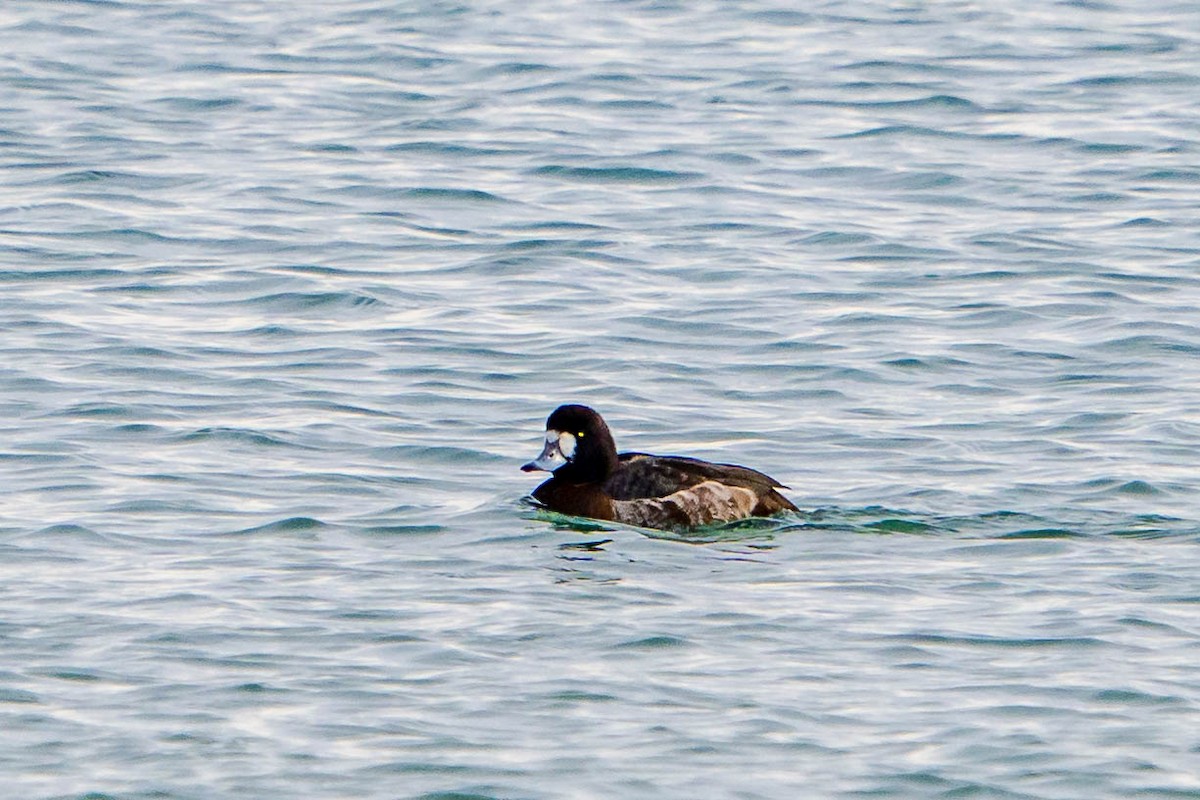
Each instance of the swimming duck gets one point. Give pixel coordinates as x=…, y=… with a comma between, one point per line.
x=590, y=479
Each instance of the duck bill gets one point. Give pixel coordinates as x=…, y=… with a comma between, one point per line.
x=552, y=456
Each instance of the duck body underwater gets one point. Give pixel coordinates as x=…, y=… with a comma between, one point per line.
x=590, y=479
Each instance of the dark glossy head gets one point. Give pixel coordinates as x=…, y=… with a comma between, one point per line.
x=579, y=447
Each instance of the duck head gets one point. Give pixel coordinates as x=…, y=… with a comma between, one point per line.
x=579, y=447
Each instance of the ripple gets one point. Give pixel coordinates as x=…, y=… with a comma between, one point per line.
x=635, y=175
x=291, y=525
x=1129, y=697
x=18, y=696
x=439, y=193
x=654, y=643
x=309, y=301
x=68, y=531
x=999, y=642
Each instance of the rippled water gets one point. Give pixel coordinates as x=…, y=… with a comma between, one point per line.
x=287, y=291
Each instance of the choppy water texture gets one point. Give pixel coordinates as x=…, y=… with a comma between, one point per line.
x=288, y=289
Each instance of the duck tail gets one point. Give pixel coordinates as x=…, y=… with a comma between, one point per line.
x=772, y=502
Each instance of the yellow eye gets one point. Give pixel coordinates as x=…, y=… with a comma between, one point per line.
x=579, y=435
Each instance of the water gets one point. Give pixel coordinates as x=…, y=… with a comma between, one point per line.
x=287, y=292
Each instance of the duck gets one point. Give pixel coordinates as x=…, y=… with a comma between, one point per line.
x=589, y=478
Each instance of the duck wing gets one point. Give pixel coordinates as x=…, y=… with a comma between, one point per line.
x=639, y=476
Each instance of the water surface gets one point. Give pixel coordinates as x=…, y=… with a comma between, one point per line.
x=287, y=293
